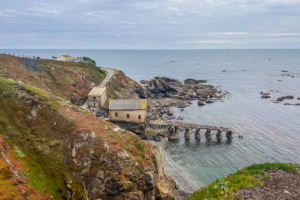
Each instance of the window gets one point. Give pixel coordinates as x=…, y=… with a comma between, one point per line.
x=116, y=114
x=94, y=103
x=140, y=117
x=127, y=116
x=94, y=97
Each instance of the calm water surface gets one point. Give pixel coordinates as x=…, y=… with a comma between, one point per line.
x=271, y=131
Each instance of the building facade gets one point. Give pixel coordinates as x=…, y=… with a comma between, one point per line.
x=97, y=97
x=57, y=58
x=128, y=110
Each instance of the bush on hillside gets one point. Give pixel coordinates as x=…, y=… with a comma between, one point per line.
x=89, y=60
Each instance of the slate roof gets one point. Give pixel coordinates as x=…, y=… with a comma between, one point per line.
x=128, y=104
x=97, y=91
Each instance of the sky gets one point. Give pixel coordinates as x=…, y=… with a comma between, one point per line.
x=150, y=24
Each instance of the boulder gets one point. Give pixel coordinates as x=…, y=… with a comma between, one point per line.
x=210, y=101
x=206, y=92
x=241, y=137
x=201, y=103
x=264, y=93
x=170, y=112
x=194, y=81
x=144, y=82
x=157, y=138
x=160, y=87
x=265, y=96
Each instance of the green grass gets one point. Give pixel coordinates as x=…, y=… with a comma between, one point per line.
x=39, y=179
x=19, y=152
x=138, y=144
x=117, y=88
x=243, y=178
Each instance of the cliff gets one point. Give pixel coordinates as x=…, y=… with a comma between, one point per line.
x=68, y=80
x=52, y=149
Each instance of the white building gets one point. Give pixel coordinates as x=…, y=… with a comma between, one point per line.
x=97, y=97
x=57, y=58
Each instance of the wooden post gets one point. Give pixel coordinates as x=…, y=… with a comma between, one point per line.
x=197, y=134
x=229, y=135
x=219, y=135
x=174, y=134
x=207, y=134
x=187, y=134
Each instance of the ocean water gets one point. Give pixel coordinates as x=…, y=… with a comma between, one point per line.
x=271, y=131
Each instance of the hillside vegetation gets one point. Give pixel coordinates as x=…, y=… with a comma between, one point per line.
x=51, y=149
x=68, y=80
x=253, y=182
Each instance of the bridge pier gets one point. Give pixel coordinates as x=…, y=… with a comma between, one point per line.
x=207, y=134
x=197, y=134
x=187, y=134
x=219, y=135
x=229, y=135
x=174, y=134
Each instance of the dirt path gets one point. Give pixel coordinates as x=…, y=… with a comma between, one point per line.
x=109, y=75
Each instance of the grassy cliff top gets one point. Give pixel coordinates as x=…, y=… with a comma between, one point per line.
x=249, y=177
x=65, y=79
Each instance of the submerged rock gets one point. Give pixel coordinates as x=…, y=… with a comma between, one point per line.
x=201, y=103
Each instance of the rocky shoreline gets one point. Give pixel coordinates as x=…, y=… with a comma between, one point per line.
x=182, y=181
x=167, y=93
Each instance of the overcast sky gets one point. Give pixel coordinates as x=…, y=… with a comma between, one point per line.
x=149, y=24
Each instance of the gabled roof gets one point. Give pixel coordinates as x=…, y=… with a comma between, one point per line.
x=66, y=56
x=128, y=104
x=96, y=91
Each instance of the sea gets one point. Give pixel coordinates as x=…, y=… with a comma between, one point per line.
x=271, y=130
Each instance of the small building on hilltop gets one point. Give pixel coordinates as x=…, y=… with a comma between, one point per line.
x=128, y=110
x=67, y=58
x=97, y=97
x=57, y=58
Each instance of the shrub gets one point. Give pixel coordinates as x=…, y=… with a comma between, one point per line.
x=19, y=152
x=89, y=60
x=117, y=88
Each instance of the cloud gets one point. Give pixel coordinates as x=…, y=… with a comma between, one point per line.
x=252, y=34
x=149, y=23
x=210, y=41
